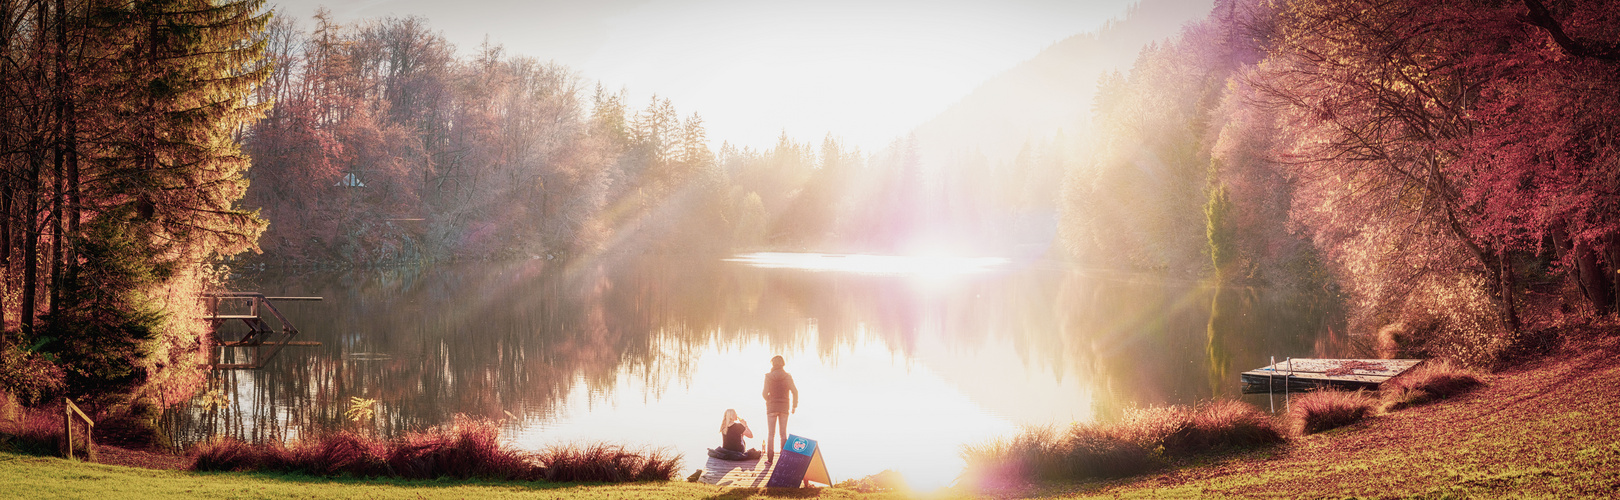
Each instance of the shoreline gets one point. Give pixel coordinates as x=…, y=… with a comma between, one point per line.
x=1541, y=427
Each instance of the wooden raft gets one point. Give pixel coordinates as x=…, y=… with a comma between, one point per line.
x=737, y=473
x=1306, y=374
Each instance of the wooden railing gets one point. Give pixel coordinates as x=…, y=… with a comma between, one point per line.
x=259, y=336
x=70, y=410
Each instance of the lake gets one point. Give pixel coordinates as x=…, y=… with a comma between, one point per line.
x=899, y=361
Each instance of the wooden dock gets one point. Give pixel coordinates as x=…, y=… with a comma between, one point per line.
x=1306, y=374
x=737, y=473
x=262, y=340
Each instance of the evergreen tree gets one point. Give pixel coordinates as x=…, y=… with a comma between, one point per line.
x=166, y=88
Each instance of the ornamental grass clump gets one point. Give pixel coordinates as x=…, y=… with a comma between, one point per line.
x=38, y=431
x=1092, y=451
x=1432, y=381
x=601, y=462
x=1033, y=453
x=1328, y=409
x=1221, y=425
x=469, y=448
x=341, y=454
x=233, y=455
x=331, y=455
x=1145, y=440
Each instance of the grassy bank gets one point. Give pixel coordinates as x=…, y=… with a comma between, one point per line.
x=1543, y=429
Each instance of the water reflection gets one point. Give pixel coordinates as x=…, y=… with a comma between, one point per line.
x=894, y=374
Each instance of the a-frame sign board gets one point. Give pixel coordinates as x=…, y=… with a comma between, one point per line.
x=800, y=461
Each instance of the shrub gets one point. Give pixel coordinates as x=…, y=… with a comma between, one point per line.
x=1432, y=381
x=29, y=376
x=1329, y=409
x=134, y=426
x=38, y=431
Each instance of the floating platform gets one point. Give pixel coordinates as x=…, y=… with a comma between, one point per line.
x=738, y=473
x=1307, y=374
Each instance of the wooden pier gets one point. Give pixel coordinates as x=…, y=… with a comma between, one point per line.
x=261, y=339
x=1307, y=374
x=737, y=473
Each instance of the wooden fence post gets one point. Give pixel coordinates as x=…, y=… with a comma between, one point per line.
x=67, y=429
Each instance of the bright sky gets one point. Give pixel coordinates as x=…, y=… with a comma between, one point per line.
x=867, y=71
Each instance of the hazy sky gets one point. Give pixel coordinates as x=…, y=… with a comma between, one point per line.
x=865, y=70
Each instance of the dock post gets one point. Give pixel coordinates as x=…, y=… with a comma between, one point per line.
x=1271, y=386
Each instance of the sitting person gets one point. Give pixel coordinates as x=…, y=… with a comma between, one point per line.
x=732, y=431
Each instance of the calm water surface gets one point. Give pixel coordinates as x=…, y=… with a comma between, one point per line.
x=899, y=362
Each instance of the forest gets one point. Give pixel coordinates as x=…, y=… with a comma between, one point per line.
x=1449, y=170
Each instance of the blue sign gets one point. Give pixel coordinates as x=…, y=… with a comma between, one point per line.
x=800, y=461
x=802, y=446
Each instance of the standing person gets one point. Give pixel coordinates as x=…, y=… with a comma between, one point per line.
x=778, y=404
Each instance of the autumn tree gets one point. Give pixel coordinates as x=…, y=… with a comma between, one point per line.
x=122, y=177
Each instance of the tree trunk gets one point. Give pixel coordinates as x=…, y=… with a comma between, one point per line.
x=31, y=239
x=1593, y=280
x=1509, y=307
x=36, y=156
x=67, y=168
x=5, y=228
x=1612, y=243
x=6, y=174
x=59, y=158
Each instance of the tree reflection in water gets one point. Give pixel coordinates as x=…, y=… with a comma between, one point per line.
x=1031, y=344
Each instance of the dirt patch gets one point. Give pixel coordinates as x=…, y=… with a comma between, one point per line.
x=113, y=455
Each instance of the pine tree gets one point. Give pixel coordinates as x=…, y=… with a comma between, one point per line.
x=166, y=88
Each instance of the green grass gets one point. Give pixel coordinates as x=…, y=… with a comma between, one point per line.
x=25, y=476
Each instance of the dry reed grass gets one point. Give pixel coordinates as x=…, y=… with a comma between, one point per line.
x=468, y=448
x=1324, y=410
x=1220, y=425
x=1432, y=381
x=1145, y=440
x=600, y=462
x=38, y=431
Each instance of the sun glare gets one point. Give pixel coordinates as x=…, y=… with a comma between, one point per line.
x=912, y=265
x=872, y=408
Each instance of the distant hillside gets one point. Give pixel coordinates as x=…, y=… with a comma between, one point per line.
x=1053, y=90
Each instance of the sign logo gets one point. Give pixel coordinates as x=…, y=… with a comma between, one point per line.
x=798, y=445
